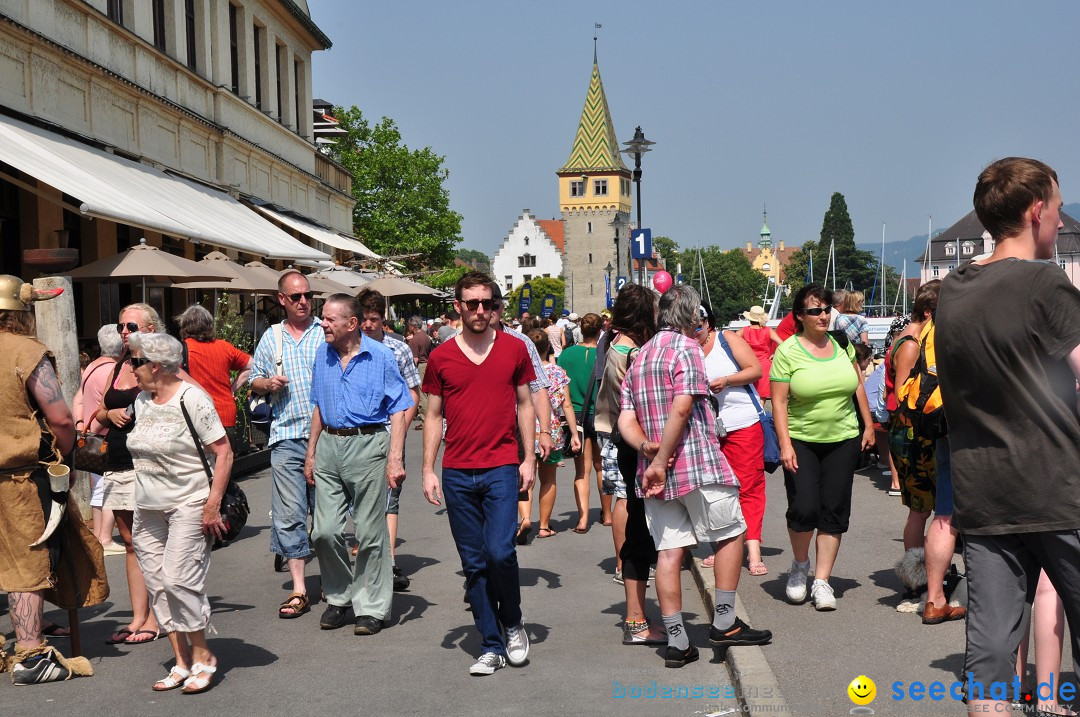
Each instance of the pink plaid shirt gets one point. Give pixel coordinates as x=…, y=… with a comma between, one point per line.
x=670, y=365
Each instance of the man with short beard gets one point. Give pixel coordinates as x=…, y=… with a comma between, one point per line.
x=477, y=379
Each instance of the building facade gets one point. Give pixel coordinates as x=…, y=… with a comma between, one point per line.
x=765, y=259
x=595, y=202
x=214, y=95
x=532, y=248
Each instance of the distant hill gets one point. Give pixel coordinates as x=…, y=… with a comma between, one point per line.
x=910, y=249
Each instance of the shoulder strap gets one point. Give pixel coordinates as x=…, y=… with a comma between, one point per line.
x=749, y=387
x=82, y=387
x=195, y=437
x=587, y=403
x=279, y=357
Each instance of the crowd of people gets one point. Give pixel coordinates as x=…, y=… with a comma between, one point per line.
x=665, y=406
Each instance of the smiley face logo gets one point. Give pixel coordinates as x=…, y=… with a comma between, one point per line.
x=862, y=690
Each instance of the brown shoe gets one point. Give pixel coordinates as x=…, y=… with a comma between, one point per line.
x=932, y=615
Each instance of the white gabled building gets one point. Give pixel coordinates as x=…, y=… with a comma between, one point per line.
x=534, y=247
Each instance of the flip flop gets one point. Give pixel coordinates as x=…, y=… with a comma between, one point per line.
x=546, y=533
x=579, y=531
x=54, y=630
x=758, y=569
x=154, y=635
x=119, y=637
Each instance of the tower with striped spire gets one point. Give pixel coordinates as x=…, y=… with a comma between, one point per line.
x=595, y=201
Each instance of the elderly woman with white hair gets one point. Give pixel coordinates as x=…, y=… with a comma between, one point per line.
x=177, y=508
x=92, y=386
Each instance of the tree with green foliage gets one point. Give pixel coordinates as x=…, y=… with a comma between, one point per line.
x=733, y=283
x=668, y=249
x=541, y=287
x=854, y=268
x=402, y=204
x=472, y=256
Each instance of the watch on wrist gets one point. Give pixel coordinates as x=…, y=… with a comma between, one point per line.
x=641, y=449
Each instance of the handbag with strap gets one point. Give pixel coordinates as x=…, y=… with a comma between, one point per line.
x=234, y=505
x=261, y=408
x=91, y=449
x=772, y=443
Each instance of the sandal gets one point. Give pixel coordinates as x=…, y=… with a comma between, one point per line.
x=120, y=636
x=54, y=630
x=524, y=529
x=297, y=602
x=174, y=679
x=758, y=568
x=580, y=531
x=201, y=677
x=154, y=635
x=546, y=533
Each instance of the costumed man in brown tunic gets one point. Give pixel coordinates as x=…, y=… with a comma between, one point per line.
x=46, y=553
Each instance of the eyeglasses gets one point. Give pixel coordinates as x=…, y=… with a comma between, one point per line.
x=131, y=326
x=137, y=361
x=472, y=304
x=816, y=311
x=295, y=298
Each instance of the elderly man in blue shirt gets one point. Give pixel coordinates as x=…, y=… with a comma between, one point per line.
x=356, y=391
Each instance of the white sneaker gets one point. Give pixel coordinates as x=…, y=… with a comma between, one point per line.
x=821, y=595
x=487, y=664
x=796, y=584
x=517, y=644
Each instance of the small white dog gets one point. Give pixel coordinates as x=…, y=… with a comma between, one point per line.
x=911, y=569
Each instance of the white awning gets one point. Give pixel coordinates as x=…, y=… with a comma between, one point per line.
x=129, y=192
x=319, y=234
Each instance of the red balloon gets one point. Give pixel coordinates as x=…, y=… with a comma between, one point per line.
x=662, y=281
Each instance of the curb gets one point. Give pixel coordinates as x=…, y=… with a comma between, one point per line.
x=755, y=684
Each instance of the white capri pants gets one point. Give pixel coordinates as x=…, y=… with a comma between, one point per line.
x=174, y=556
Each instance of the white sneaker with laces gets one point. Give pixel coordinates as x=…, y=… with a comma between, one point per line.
x=796, y=584
x=487, y=664
x=821, y=594
x=517, y=644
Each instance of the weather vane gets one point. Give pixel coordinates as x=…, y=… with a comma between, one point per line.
x=596, y=26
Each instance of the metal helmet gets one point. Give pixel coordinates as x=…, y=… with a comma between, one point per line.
x=17, y=295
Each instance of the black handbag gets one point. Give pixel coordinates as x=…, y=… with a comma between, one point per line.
x=234, y=505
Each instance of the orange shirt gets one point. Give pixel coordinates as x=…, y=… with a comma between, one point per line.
x=210, y=364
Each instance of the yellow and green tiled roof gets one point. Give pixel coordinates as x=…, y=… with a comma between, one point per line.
x=595, y=146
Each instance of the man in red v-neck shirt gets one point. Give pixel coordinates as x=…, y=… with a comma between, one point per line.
x=478, y=380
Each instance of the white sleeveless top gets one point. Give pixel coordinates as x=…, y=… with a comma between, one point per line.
x=736, y=409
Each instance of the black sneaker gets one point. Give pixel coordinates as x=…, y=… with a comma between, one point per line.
x=401, y=580
x=738, y=634
x=334, y=617
x=37, y=669
x=674, y=657
x=367, y=625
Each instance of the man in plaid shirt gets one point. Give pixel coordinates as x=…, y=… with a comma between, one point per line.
x=690, y=491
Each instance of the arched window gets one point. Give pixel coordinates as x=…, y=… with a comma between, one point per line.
x=766, y=267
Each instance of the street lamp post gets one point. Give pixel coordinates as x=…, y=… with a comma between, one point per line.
x=635, y=148
x=608, y=269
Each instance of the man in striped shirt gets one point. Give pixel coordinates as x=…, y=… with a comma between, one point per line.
x=371, y=309
x=287, y=378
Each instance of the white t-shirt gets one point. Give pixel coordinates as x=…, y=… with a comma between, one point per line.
x=736, y=409
x=168, y=470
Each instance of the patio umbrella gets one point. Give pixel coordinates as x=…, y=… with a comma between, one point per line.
x=325, y=287
x=242, y=278
x=344, y=275
x=396, y=287
x=145, y=261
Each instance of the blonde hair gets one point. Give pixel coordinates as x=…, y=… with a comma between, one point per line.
x=151, y=313
x=853, y=302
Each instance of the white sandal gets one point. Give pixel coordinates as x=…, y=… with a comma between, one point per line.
x=201, y=677
x=177, y=677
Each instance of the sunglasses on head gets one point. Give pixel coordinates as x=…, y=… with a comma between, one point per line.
x=137, y=361
x=131, y=326
x=295, y=298
x=473, y=304
x=816, y=311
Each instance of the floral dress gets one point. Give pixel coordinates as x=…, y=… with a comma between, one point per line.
x=558, y=379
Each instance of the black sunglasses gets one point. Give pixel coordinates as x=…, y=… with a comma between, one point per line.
x=295, y=298
x=816, y=311
x=137, y=361
x=132, y=327
x=472, y=304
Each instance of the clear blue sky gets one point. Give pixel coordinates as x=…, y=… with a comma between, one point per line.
x=896, y=105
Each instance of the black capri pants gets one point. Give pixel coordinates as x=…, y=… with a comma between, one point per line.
x=638, y=550
x=819, y=492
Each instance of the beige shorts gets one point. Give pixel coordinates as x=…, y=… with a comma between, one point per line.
x=119, y=491
x=710, y=513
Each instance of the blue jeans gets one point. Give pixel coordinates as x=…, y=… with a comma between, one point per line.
x=482, y=508
x=291, y=499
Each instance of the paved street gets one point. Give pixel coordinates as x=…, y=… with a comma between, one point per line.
x=417, y=666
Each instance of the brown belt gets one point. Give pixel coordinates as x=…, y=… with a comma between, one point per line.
x=365, y=430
